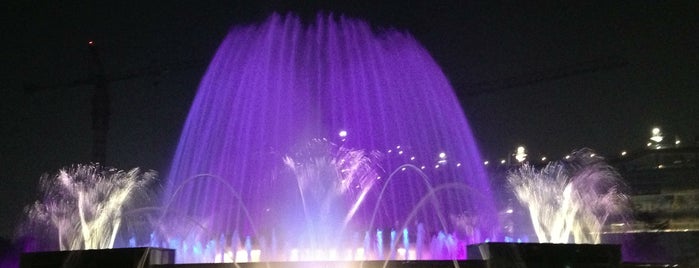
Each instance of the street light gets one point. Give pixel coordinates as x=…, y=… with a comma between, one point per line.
x=657, y=135
x=521, y=154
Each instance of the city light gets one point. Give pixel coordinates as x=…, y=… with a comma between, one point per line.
x=521, y=154
x=657, y=135
x=442, y=158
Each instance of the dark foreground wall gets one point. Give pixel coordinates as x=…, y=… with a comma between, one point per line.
x=490, y=255
x=546, y=255
x=658, y=247
x=109, y=258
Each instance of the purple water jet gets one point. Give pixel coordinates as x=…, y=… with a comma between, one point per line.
x=322, y=94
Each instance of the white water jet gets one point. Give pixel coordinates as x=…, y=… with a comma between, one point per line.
x=83, y=206
x=568, y=198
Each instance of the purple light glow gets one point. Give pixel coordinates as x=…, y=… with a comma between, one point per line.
x=274, y=87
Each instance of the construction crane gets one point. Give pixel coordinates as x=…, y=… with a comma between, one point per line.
x=101, y=103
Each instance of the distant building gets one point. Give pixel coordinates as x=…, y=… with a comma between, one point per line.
x=664, y=185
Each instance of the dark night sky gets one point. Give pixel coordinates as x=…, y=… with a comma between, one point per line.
x=609, y=110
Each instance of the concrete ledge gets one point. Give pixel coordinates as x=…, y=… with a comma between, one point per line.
x=108, y=258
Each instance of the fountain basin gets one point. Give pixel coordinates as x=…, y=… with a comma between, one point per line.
x=546, y=254
x=491, y=255
x=117, y=257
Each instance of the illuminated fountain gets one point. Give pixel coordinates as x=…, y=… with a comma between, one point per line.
x=324, y=140
x=84, y=206
x=327, y=140
x=568, y=199
x=569, y=203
